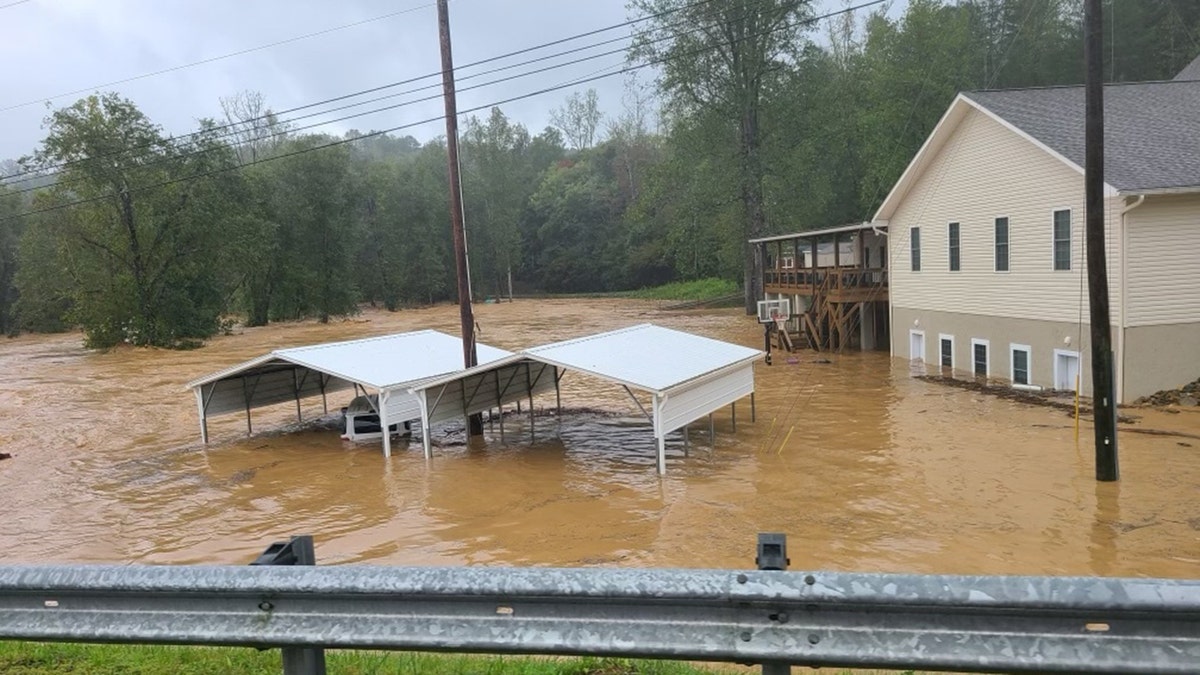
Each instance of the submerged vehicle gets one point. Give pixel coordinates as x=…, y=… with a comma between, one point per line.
x=360, y=421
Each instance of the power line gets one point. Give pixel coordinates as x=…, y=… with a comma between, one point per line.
x=288, y=131
x=213, y=59
x=40, y=172
x=627, y=69
x=14, y=4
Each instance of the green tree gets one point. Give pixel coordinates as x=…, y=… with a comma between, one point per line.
x=317, y=202
x=724, y=58
x=140, y=254
x=497, y=182
x=10, y=236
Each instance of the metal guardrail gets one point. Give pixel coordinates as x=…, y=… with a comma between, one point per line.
x=985, y=624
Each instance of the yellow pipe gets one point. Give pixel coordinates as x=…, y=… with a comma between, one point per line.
x=786, y=439
x=1077, y=408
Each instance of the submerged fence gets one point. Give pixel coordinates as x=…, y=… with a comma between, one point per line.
x=964, y=623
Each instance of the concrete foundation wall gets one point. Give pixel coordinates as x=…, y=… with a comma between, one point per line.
x=1160, y=357
x=1043, y=338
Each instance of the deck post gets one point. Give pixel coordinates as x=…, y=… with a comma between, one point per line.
x=753, y=414
x=837, y=250
x=383, y=424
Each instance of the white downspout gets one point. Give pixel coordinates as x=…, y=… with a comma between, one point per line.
x=1141, y=199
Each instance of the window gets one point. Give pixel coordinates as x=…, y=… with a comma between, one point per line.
x=1002, y=244
x=883, y=261
x=866, y=257
x=946, y=351
x=979, y=357
x=1062, y=239
x=1020, y=364
x=914, y=242
x=953, y=235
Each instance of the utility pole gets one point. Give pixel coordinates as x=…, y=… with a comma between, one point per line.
x=1104, y=402
x=470, y=357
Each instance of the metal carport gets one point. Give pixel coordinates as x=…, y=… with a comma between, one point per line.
x=688, y=376
x=387, y=366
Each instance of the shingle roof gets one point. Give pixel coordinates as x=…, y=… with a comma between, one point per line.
x=1152, y=129
x=1191, y=71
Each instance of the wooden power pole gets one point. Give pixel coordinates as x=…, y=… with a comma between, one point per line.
x=470, y=357
x=1104, y=402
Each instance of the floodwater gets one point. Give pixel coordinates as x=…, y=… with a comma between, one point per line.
x=864, y=467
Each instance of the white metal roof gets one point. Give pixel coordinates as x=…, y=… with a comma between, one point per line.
x=809, y=234
x=383, y=362
x=646, y=357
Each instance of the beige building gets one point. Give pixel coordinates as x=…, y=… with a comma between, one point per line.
x=986, y=238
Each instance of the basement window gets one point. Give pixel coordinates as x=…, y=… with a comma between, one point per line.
x=1020, y=364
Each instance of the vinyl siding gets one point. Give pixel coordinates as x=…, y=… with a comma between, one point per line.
x=1163, y=266
x=985, y=171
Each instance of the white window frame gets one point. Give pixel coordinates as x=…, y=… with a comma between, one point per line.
x=987, y=347
x=1067, y=352
x=911, y=333
x=1012, y=370
x=1008, y=244
x=943, y=336
x=1070, y=240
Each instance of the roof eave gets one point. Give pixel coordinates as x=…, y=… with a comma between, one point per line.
x=945, y=127
x=1180, y=190
x=813, y=233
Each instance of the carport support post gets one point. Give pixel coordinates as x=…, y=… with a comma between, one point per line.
x=753, y=414
x=656, y=406
x=557, y=391
x=383, y=425
x=499, y=402
x=203, y=413
x=712, y=431
x=426, y=443
x=246, y=397
x=296, y=389
x=733, y=415
x=529, y=388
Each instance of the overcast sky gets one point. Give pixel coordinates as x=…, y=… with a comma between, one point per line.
x=51, y=47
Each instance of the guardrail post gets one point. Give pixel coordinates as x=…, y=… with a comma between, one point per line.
x=772, y=555
x=296, y=551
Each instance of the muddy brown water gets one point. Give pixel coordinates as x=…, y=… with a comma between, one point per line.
x=864, y=467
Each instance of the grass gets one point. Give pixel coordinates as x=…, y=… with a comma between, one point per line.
x=34, y=658
x=700, y=289
x=31, y=658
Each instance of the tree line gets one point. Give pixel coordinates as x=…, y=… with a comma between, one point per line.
x=760, y=121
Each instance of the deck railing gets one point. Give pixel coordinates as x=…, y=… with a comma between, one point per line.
x=838, y=278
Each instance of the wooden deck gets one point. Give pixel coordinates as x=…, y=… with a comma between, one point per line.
x=836, y=284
